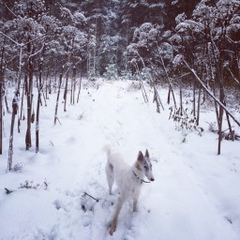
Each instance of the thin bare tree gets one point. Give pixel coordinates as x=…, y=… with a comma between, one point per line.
x=58, y=96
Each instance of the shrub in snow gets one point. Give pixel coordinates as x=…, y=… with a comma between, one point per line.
x=18, y=167
x=31, y=185
x=184, y=120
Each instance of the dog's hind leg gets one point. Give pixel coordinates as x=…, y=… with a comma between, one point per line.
x=110, y=176
x=115, y=217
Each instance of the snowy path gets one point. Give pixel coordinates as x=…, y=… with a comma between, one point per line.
x=195, y=194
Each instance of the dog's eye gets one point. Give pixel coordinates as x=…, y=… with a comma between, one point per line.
x=146, y=167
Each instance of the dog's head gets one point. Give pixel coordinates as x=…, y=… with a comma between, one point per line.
x=145, y=164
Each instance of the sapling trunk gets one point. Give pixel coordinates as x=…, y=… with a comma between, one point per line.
x=58, y=95
x=29, y=87
x=1, y=114
x=22, y=100
x=28, y=138
x=194, y=99
x=73, y=85
x=198, y=107
x=65, y=93
x=14, y=113
x=79, y=88
x=38, y=106
x=170, y=91
x=1, y=92
x=181, y=101
x=157, y=99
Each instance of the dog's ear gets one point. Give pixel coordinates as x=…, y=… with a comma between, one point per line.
x=140, y=156
x=147, y=154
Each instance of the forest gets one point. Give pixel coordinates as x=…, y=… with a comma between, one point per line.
x=157, y=76
x=53, y=44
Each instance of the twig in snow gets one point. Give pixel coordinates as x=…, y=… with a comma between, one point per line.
x=97, y=200
x=229, y=220
x=8, y=191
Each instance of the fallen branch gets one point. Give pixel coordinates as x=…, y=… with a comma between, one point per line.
x=8, y=191
x=211, y=94
x=97, y=200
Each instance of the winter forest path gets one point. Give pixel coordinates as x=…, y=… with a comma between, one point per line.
x=195, y=194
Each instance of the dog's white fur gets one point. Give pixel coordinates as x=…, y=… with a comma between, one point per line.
x=128, y=179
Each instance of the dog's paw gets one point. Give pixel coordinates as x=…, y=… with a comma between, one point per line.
x=112, y=227
x=112, y=230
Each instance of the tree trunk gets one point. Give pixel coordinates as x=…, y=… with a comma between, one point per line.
x=38, y=106
x=157, y=98
x=79, y=88
x=22, y=99
x=10, y=149
x=14, y=113
x=181, y=101
x=1, y=111
x=221, y=98
x=28, y=138
x=194, y=99
x=73, y=85
x=199, y=104
x=66, y=92
x=231, y=132
x=170, y=91
x=6, y=104
x=58, y=95
x=1, y=98
x=220, y=119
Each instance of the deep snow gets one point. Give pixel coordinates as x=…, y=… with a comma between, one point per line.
x=195, y=194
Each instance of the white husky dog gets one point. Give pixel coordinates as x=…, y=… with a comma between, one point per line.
x=129, y=179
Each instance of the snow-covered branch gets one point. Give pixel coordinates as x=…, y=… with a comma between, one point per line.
x=210, y=93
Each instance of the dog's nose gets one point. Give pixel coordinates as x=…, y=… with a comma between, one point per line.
x=152, y=179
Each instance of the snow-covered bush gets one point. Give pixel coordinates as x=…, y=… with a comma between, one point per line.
x=111, y=72
x=184, y=120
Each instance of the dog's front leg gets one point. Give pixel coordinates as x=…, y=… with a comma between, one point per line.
x=115, y=217
x=135, y=201
x=135, y=205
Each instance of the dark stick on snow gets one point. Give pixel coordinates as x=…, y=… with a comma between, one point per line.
x=8, y=191
x=85, y=193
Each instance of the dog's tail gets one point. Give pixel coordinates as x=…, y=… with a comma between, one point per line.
x=107, y=148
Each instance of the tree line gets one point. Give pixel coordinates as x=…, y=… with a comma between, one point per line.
x=175, y=42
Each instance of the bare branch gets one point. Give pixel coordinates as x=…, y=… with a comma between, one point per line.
x=18, y=44
x=211, y=94
x=36, y=53
x=234, y=78
x=85, y=193
x=10, y=10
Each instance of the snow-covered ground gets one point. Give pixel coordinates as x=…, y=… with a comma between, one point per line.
x=195, y=195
